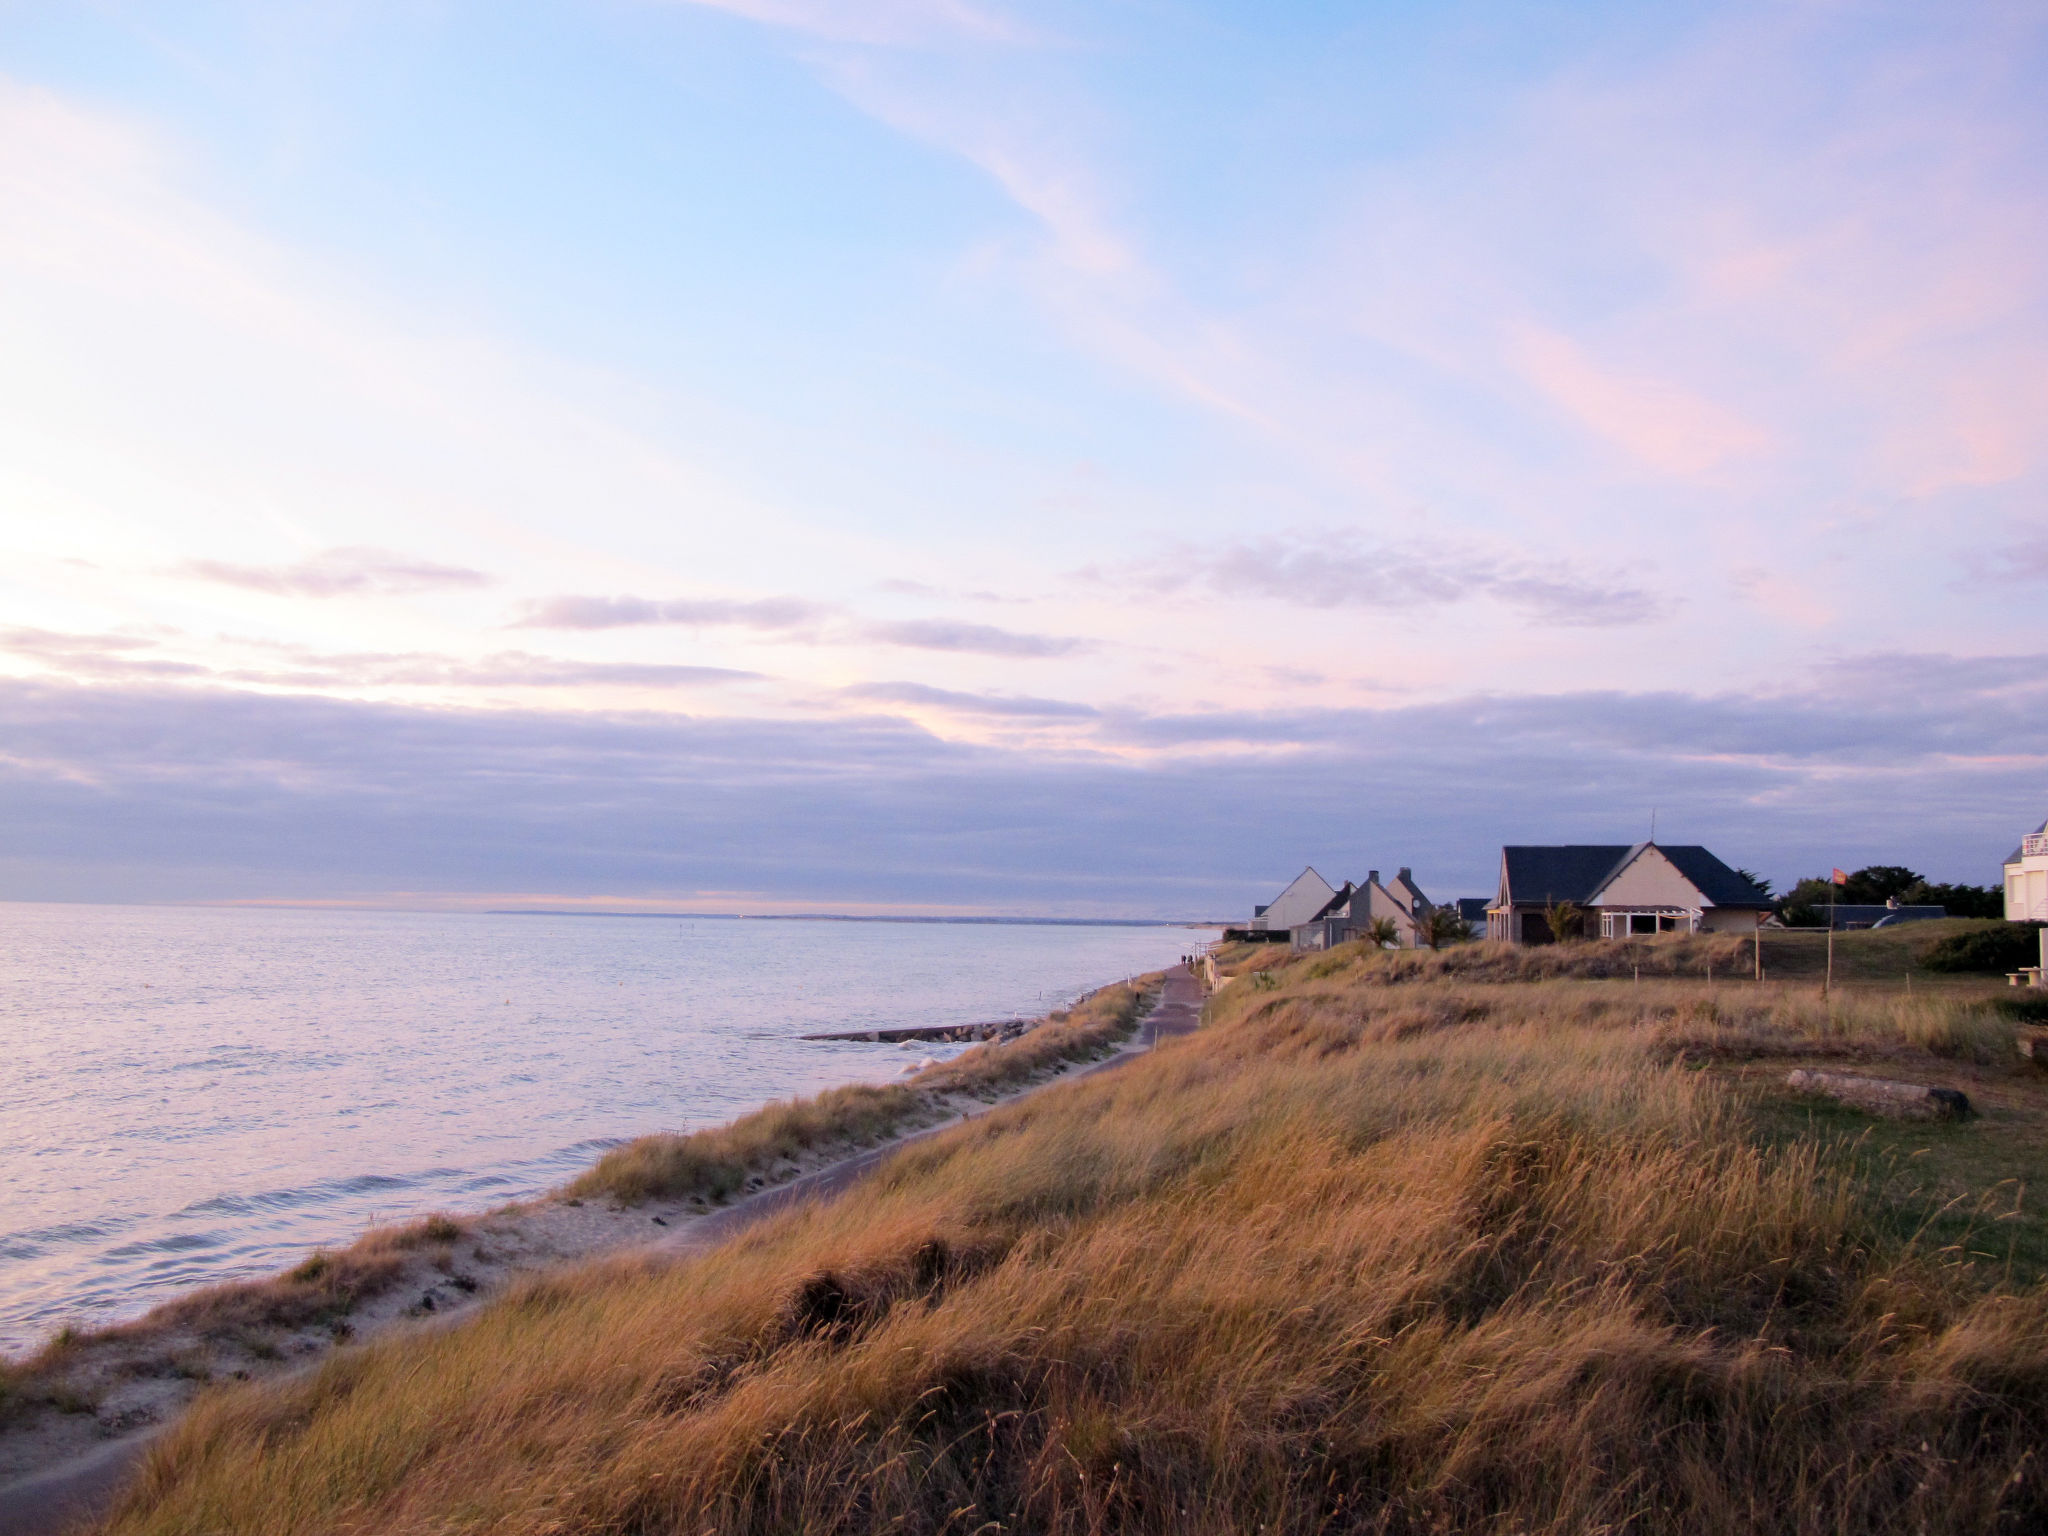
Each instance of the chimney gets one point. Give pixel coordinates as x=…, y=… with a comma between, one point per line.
x=1405, y=875
x=1372, y=877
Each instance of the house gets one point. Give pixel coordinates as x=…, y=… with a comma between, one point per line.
x=1648, y=888
x=1472, y=911
x=1351, y=911
x=1306, y=895
x=1331, y=924
x=2026, y=879
x=1890, y=915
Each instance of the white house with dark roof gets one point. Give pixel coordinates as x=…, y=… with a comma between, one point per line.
x=1647, y=888
x=2026, y=879
x=1307, y=894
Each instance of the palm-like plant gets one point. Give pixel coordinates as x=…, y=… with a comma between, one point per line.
x=1440, y=926
x=1567, y=921
x=1381, y=933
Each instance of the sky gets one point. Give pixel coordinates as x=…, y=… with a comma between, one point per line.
x=948, y=457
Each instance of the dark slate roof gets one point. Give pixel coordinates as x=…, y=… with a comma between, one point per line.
x=1336, y=903
x=1574, y=872
x=1715, y=880
x=1473, y=908
x=2014, y=856
x=1570, y=873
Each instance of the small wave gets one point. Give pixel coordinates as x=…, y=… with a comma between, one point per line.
x=177, y=1242
x=34, y=1242
x=325, y=1192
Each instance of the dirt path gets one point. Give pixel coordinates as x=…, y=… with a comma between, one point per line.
x=48, y=1502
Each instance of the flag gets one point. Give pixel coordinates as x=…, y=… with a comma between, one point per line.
x=1839, y=878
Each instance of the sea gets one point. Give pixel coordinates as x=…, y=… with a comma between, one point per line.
x=190, y=1095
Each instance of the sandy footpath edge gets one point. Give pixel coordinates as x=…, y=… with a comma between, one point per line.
x=62, y=1464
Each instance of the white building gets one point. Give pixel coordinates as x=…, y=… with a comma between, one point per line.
x=1306, y=895
x=2026, y=879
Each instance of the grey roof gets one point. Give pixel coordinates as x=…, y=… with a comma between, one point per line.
x=2015, y=855
x=1715, y=880
x=1336, y=904
x=1569, y=873
x=1575, y=872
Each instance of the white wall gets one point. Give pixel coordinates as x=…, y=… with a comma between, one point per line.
x=1650, y=880
x=2026, y=890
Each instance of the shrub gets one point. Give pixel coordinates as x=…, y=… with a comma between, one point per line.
x=1999, y=947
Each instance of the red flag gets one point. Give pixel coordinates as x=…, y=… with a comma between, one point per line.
x=1840, y=878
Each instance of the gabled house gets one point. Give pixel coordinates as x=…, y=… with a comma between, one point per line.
x=1306, y=895
x=1351, y=911
x=2026, y=879
x=1405, y=891
x=1620, y=890
x=1332, y=924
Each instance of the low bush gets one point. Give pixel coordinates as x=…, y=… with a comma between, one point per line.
x=1997, y=947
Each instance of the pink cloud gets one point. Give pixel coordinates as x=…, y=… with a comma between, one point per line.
x=1666, y=426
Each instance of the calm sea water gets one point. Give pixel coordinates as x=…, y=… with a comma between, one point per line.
x=190, y=1095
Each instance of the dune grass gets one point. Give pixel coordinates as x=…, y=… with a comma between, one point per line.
x=717, y=1163
x=1422, y=1256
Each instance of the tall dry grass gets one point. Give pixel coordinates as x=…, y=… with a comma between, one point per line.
x=718, y=1162
x=1428, y=1258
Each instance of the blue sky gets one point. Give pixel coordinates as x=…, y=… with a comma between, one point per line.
x=922, y=455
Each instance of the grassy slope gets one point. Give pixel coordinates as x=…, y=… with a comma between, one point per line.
x=717, y=1163
x=1388, y=1247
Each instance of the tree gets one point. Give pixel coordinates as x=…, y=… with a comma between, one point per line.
x=1756, y=880
x=1872, y=886
x=1381, y=933
x=1959, y=900
x=1876, y=884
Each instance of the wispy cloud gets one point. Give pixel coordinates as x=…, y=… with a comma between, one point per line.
x=128, y=658
x=767, y=613
x=90, y=655
x=975, y=639
x=1010, y=706
x=2025, y=560
x=1663, y=424
x=339, y=573
x=500, y=669
x=1336, y=570
x=792, y=618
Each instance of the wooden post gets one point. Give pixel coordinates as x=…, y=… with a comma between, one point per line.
x=1828, y=983
x=1759, y=950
